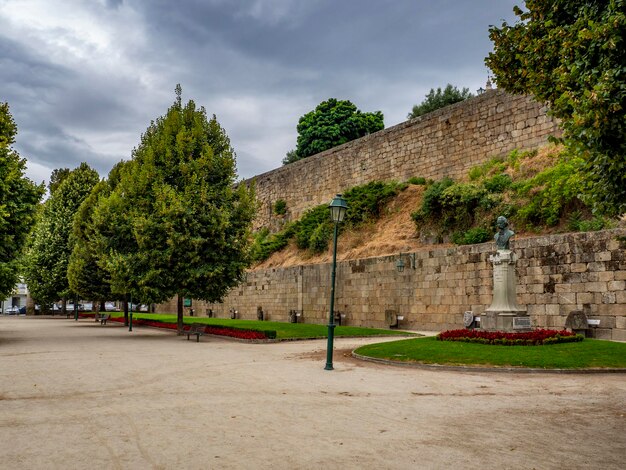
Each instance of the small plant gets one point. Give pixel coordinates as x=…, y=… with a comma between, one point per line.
x=417, y=180
x=280, y=207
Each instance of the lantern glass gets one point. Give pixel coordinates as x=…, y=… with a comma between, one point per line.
x=338, y=208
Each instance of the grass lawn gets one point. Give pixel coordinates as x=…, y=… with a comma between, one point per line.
x=589, y=353
x=283, y=330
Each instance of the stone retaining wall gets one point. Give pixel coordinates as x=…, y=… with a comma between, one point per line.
x=446, y=142
x=556, y=275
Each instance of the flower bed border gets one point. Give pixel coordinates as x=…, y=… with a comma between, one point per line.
x=230, y=331
x=538, y=337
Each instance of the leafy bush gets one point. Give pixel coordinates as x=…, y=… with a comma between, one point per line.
x=459, y=203
x=498, y=183
x=549, y=192
x=496, y=165
x=431, y=203
x=320, y=237
x=280, y=207
x=366, y=201
x=471, y=236
x=417, y=180
x=309, y=222
x=264, y=243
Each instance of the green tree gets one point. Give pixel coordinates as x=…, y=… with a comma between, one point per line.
x=185, y=227
x=439, y=99
x=571, y=54
x=57, y=177
x=332, y=123
x=84, y=274
x=19, y=199
x=51, y=246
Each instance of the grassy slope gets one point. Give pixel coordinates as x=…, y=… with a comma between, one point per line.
x=586, y=354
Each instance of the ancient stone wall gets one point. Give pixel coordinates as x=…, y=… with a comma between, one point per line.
x=556, y=275
x=446, y=142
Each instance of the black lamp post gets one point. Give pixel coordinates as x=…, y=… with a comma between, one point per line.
x=338, y=208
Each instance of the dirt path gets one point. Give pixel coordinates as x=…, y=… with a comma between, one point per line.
x=81, y=395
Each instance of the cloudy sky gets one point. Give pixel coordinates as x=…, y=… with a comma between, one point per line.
x=84, y=78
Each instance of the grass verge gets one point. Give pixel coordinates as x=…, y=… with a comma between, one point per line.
x=583, y=355
x=283, y=330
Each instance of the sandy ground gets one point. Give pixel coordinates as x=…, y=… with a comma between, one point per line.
x=81, y=395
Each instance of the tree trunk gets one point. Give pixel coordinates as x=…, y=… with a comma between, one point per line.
x=102, y=307
x=63, y=306
x=179, y=308
x=125, y=302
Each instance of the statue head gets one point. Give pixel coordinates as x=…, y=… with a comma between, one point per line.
x=502, y=223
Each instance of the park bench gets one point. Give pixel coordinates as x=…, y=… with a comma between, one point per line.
x=197, y=329
x=102, y=318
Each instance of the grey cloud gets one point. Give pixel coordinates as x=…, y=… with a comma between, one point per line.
x=276, y=59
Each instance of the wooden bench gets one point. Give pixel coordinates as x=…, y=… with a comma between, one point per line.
x=102, y=318
x=197, y=329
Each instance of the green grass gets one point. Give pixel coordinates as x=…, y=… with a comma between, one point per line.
x=283, y=330
x=585, y=354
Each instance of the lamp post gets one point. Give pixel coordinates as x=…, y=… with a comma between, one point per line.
x=338, y=208
x=130, y=319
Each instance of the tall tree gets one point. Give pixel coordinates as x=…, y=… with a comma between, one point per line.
x=439, y=99
x=84, y=274
x=571, y=54
x=50, y=248
x=185, y=226
x=19, y=199
x=333, y=122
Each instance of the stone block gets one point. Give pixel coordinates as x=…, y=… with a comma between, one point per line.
x=618, y=334
x=616, y=285
x=606, y=276
x=602, y=333
x=620, y=322
x=596, y=286
x=578, y=267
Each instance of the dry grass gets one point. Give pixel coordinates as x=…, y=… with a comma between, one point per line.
x=392, y=233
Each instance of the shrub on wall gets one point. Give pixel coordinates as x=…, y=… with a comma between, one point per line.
x=532, y=193
x=280, y=207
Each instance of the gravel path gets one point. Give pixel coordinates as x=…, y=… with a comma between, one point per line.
x=80, y=395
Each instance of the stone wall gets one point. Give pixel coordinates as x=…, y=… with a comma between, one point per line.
x=556, y=275
x=446, y=142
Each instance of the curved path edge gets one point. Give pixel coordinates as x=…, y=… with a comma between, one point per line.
x=523, y=370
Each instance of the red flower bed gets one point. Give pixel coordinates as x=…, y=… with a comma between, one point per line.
x=232, y=332
x=530, y=338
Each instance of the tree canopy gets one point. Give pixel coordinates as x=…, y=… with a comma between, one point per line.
x=333, y=122
x=439, y=99
x=19, y=200
x=572, y=55
x=51, y=245
x=181, y=227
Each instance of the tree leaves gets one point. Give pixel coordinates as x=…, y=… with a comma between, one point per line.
x=571, y=54
x=332, y=123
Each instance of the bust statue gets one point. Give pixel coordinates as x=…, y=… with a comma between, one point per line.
x=503, y=235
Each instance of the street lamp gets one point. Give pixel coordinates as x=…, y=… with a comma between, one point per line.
x=400, y=264
x=338, y=208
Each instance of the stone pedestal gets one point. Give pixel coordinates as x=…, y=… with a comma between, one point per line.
x=504, y=314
